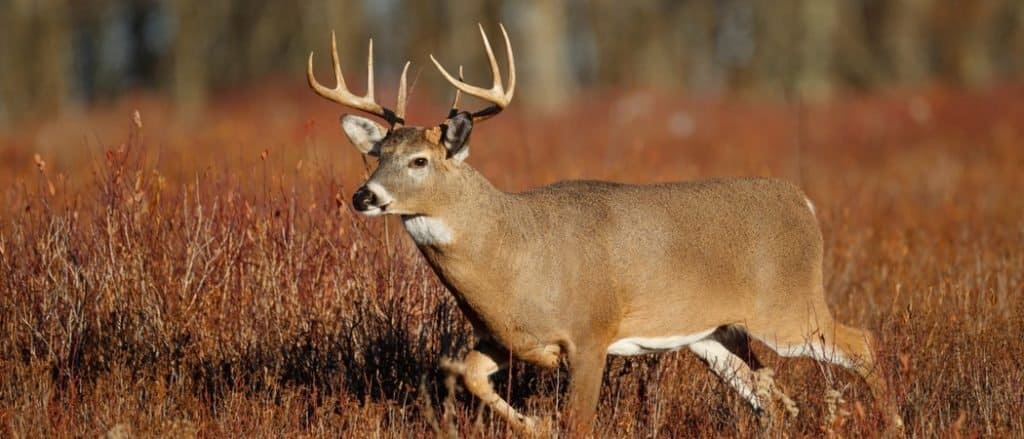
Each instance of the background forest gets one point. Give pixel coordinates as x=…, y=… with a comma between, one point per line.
x=61, y=55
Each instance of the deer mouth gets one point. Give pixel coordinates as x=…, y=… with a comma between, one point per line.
x=375, y=210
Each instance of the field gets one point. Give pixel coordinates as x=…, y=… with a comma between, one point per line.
x=206, y=276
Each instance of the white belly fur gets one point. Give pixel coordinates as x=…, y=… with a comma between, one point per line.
x=648, y=345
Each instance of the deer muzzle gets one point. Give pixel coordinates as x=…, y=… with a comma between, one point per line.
x=364, y=199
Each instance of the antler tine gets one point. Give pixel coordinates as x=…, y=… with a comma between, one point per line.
x=511, y=64
x=496, y=94
x=343, y=96
x=369, y=72
x=401, y=93
x=495, y=72
x=338, y=76
x=455, y=102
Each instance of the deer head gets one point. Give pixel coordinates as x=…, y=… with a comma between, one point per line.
x=419, y=169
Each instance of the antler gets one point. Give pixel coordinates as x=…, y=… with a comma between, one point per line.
x=496, y=95
x=341, y=95
x=455, y=102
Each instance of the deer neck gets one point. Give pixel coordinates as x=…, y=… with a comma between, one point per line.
x=464, y=219
x=466, y=244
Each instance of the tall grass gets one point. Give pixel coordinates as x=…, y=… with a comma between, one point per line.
x=215, y=282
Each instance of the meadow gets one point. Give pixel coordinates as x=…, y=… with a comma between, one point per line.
x=166, y=274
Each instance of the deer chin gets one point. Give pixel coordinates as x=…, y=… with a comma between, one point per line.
x=372, y=211
x=385, y=209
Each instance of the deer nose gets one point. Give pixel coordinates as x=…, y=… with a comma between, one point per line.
x=363, y=199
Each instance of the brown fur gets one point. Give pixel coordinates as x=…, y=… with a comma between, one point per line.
x=569, y=268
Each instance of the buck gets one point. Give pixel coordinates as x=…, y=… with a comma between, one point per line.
x=583, y=269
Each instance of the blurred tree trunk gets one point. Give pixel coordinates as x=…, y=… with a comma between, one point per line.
x=197, y=22
x=420, y=30
x=795, y=47
x=53, y=55
x=658, y=48
x=546, y=72
x=975, y=65
x=966, y=36
x=816, y=48
x=638, y=43
x=348, y=21
x=461, y=44
x=189, y=54
x=36, y=41
x=1014, y=48
x=13, y=33
x=94, y=21
x=694, y=25
x=272, y=33
x=855, y=58
x=904, y=39
x=775, y=61
x=615, y=40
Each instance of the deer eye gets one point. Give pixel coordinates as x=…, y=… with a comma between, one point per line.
x=418, y=162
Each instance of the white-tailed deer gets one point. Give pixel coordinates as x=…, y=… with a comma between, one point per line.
x=588, y=268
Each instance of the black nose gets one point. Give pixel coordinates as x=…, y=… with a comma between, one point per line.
x=363, y=199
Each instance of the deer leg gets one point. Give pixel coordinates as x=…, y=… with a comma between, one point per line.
x=731, y=369
x=859, y=345
x=475, y=370
x=845, y=346
x=757, y=387
x=737, y=341
x=587, y=370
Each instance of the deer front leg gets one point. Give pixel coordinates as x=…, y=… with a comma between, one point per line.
x=475, y=368
x=587, y=369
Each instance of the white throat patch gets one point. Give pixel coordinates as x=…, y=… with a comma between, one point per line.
x=428, y=231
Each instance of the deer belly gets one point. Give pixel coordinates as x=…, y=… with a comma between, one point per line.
x=651, y=345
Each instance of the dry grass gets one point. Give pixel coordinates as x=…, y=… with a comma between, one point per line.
x=210, y=279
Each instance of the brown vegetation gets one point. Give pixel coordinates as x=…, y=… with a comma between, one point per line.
x=212, y=279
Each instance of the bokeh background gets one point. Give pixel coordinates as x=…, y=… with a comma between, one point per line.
x=62, y=56
x=179, y=256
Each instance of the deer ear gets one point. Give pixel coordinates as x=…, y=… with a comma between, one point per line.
x=456, y=136
x=364, y=133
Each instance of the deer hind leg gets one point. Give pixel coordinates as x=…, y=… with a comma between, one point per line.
x=860, y=345
x=754, y=387
x=475, y=369
x=736, y=340
x=730, y=368
x=845, y=346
